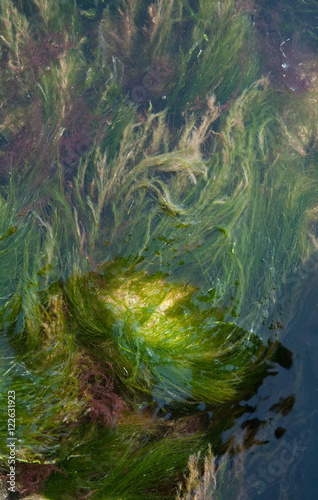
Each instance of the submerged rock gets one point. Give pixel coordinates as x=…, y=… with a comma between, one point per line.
x=298, y=67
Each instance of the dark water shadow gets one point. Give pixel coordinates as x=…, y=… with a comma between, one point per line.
x=273, y=445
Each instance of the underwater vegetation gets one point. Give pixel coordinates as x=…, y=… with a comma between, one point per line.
x=156, y=197
x=200, y=486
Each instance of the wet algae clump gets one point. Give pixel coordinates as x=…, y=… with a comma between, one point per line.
x=169, y=342
x=155, y=197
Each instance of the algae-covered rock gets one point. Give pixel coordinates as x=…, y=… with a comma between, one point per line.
x=179, y=336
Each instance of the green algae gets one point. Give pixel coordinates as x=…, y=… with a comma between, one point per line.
x=171, y=342
x=153, y=236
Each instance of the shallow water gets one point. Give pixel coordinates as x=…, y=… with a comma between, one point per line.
x=277, y=435
x=158, y=242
